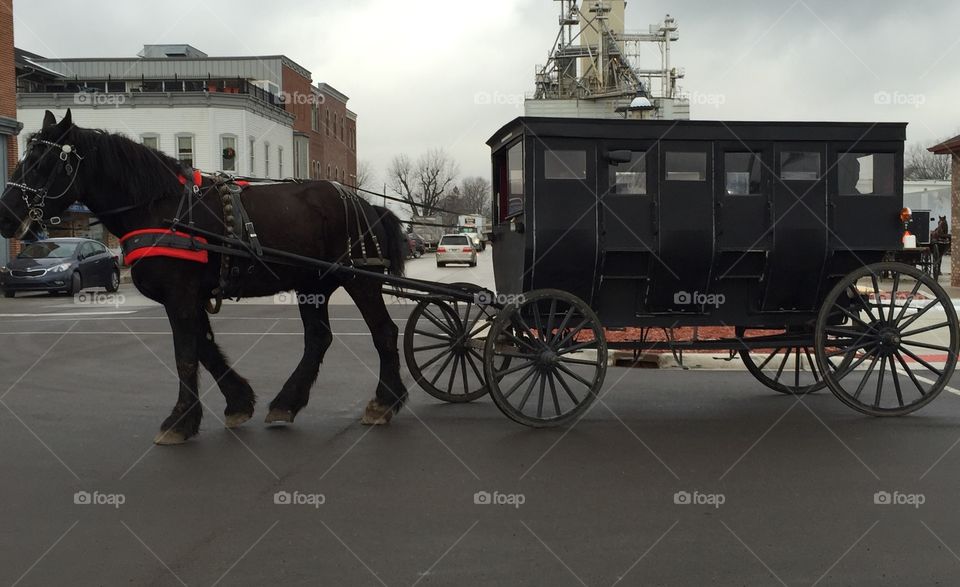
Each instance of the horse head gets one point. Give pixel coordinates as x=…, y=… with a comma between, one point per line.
x=43, y=185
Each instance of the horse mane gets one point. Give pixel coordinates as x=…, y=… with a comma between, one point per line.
x=144, y=173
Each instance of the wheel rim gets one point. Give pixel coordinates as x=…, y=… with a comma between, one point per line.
x=443, y=344
x=894, y=333
x=114, y=280
x=558, y=354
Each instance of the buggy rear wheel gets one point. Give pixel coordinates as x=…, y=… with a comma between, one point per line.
x=895, y=333
x=558, y=358
x=788, y=369
x=443, y=344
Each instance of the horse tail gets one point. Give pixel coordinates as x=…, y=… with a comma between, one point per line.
x=396, y=246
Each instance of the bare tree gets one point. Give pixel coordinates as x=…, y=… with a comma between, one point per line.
x=364, y=173
x=424, y=184
x=475, y=193
x=919, y=163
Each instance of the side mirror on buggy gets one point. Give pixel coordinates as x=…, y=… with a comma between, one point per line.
x=621, y=156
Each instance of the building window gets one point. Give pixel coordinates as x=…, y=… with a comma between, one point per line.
x=328, y=172
x=151, y=140
x=185, y=149
x=266, y=159
x=228, y=153
x=328, y=124
x=315, y=117
x=280, y=162
x=253, y=156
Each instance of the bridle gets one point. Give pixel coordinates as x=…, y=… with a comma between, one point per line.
x=36, y=198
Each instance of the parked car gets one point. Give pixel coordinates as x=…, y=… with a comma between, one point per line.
x=419, y=246
x=456, y=248
x=61, y=264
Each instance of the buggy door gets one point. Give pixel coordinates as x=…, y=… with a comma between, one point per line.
x=798, y=256
x=565, y=216
x=685, y=215
x=865, y=191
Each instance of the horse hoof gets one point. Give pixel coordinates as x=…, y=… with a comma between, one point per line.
x=236, y=420
x=376, y=414
x=169, y=437
x=278, y=416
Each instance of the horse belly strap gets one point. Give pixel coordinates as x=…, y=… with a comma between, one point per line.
x=158, y=242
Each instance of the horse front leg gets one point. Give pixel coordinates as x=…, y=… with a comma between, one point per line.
x=184, y=421
x=317, y=338
x=391, y=392
x=235, y=389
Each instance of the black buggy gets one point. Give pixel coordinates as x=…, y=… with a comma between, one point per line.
x=613, y=234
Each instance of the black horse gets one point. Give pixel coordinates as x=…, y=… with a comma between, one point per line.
x=131, y=187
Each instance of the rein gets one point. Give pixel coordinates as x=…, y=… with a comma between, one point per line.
x=36, y=201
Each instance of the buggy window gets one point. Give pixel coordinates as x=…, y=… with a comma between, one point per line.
x=742, y=172
x=686, y=166
x=454, y=240
x=799, y=166
x=865, y=174
x=630, y=178
x=565, y=164
x=515, y=169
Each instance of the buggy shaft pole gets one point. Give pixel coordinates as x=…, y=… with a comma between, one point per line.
x=394, y=280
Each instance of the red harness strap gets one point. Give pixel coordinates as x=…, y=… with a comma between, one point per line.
x=197, y=178
x=159, y=242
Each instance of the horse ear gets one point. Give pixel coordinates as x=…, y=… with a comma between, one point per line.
x=49, y=119
x=67, y=120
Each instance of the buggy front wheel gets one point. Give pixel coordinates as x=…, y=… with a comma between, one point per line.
x=558, y=358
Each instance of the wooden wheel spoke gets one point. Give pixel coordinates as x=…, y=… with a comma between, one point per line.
x=566, y=388
x=896, y=380
x=883, y=371
x=906, y=304
x=473, y=366
x=443, y=366
x=517, y=384
x=909, y=372
x=813, y=365
x=924, y=329
x=576, y=347
x=913, y=317
x=866, y=376
x=572, y=334
x=463, y=374
x=553, y=393
x=432, y=334
x=573, y=361
x=436, y=358
x=438, y=323
x=852, y=316
x=769, y=358
x=549, y=331
x=574, y=375
x=563, y=324
x=529, y=390
x=453, y=373
x=431, y=347
x=893, y=299
x=786, y=357
x=920, y=360
x=543, y=389
x=514, y=369
x=925, y=345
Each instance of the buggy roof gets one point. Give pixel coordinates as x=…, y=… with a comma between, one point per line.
x=701, y=130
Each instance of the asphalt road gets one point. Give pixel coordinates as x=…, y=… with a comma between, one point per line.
x=783, y=490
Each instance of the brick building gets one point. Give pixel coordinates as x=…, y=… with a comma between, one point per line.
x=9, y=127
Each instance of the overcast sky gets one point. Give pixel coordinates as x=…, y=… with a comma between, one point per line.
x=413, y=69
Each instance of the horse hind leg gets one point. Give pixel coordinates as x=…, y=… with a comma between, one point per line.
x=236, y=390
